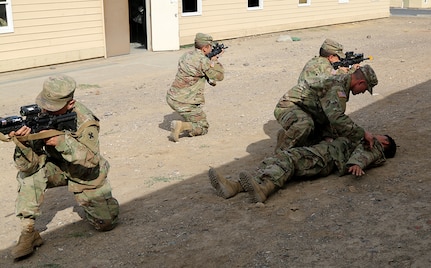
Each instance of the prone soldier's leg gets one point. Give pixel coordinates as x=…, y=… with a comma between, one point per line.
x=310, y=161
x=275, y=171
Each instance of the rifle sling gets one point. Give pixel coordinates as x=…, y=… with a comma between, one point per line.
x=84, y=126
x=40, y=135
x=49, y=133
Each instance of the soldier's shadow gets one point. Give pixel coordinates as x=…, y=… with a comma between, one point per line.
x=265, y=147
x=167, y=119
x=56, y=200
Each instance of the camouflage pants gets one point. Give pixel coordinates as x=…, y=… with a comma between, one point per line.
x=299, y=127
x=192, y=113
x=100, y=207
x=316, y=160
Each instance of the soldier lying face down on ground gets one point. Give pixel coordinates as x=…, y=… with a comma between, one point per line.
x=320, y=160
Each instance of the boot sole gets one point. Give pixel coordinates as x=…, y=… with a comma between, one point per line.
x=214, y=180
x=251, y=187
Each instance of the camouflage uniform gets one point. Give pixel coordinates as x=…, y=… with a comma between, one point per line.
x=186, y=94
x=316, y=108
x=303, y=132
x=320, y=65
x=76, y=162
x=320, y=160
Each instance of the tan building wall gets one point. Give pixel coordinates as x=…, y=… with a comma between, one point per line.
x=410, y=3
x=225, y=20
x=52, y=31
x=397, y=3
x=417, y=4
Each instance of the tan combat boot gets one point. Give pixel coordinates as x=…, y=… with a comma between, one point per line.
x=28, y=240
x=177, y=127
x=224, y=187
x=259, y=191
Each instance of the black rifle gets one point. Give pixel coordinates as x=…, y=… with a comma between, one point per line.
x=217, y=48
x=38, y=121
x=351, y=59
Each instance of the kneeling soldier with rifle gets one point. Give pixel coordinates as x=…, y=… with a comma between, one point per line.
x=68, y=155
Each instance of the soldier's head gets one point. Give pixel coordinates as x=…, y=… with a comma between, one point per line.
x=332, y=50
x=389, y=145
x=363, y=79
x=203, y=42
x=56, y=96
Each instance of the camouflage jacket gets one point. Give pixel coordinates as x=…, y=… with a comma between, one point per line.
x=193, y=70
x=324, y=98
x=345, y=154
x=319, y=66
x=78, y=156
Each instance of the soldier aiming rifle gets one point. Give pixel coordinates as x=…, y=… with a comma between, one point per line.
x=33, y=117
x=350, y=60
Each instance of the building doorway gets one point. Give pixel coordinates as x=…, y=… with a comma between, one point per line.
x=138, y=22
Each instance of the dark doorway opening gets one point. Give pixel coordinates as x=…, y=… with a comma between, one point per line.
x=138, y=22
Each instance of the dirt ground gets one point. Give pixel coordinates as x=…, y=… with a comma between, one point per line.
x=170, y=215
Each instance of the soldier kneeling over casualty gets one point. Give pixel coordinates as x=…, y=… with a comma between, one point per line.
x=66, y=158
x=320, y=160
x=186, y=94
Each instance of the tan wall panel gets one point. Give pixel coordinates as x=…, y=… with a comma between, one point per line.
x=35, y=6
x=417, y=4
x=54, y=58
x=57, y=27
x=52, y=31
x=396, y=3
x=225, y=20
x=77, y=34
x=41, y=22
x=46, y=51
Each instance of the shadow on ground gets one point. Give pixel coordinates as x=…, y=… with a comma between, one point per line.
x=380, y=220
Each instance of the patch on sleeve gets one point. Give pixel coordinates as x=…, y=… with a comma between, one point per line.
x=341, y=94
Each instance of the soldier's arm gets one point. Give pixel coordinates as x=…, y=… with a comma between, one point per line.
x=214, y=70
x=26, y=158
x=331, y=104
x=83, y=150
x=363, y=157
x=316, y=67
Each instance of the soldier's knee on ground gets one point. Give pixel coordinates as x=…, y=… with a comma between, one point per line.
x=103, y=225
x=105, y=216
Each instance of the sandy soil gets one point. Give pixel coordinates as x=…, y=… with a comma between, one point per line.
x=170, y=215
